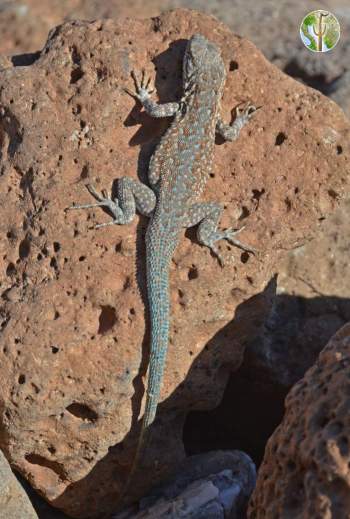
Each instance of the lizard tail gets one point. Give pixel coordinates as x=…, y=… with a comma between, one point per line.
x=159, y=307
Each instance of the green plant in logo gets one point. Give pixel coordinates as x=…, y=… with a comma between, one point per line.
x=320, y=31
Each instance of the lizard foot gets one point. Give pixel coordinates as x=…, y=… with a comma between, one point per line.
x=245, y=113
x=229, y=236
x=103, y=200
x=143, y=88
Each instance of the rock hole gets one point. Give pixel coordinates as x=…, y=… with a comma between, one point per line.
x=82, y=258
x=75, y=75
x=244, y=257
x=11, y=235
x=84, y=172
x=56, y=246
x=127, y=283
x=82, y=411
x=333, y=194
x=281, y=137
x=193, y=273
x=11, y=270
x=21, y=379
x=245, y=213
x=53, y=263
x=36, y=459
x=54, y=349
x=288, y=204
x=257, y=194
x=233, y=65
x=339, y=150
x=24, y=249
x=75, y=55
x=107, y=319
x=25, y=60
x=296, y=190
x=343, y=444
x=76, y=110
x=35, y=387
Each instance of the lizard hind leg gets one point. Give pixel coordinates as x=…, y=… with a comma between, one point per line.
x=132, y=195
x=208, y=216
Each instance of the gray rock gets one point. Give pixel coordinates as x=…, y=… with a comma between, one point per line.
x=14, y=502
x=215, y=485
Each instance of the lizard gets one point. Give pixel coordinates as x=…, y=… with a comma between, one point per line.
x=177, y=174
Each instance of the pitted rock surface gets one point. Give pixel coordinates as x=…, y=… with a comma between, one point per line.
x=306, y=468
x=74, y=336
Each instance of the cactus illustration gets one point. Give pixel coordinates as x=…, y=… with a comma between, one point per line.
x=320, y=29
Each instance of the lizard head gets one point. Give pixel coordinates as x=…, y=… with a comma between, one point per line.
x=203, y=64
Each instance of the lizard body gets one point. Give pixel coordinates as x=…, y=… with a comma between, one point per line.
x=178, y=172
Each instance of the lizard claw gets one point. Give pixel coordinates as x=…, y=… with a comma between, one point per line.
x=246, y=112
x=229, y=236
x=143, y=88
x=103, y=200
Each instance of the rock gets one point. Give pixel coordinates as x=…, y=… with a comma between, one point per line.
x=305, y=472
x=74, y=338
x=340, y=92
x=312, y=303
x=14, y=502
x=214, y=485
x=24, y=25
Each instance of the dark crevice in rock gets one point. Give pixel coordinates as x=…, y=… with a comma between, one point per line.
x=25, y=60
x=107, y=319
x=9, y=125
x=82, y=411
x=37, y=459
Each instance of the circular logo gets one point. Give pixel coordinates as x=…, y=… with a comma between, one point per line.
x=320, y=31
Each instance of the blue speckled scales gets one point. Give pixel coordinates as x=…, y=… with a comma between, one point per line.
x=178, y=172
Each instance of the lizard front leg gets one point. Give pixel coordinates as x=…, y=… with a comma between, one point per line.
x=143, y=91
x=230, y=132
x=208, y=215
x=131, y=195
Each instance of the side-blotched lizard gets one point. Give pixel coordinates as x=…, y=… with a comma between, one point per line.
x=178, y=172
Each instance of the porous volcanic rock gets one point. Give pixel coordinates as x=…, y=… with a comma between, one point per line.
x=306, y=468
x=24, y=25
x=74, y=344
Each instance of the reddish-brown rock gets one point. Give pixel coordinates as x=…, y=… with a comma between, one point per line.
x=306, y=469
x=24, y=25
x=74, y=340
